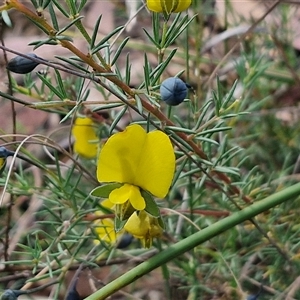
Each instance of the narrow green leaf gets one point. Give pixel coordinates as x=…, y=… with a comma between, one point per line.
x=127, y=70
x=51, y=87
x=106, y=38
x=207, y=140
x=205, y=113
x=61, y=8
x=69, y=25
x=175, y=34
x=64, y=38
x=151, y=206
x=38, y=44
x=119, y=224
x=72, y=6
x=156, y=23
x=226, y=170
x=53, y=17
x=174, y=27
x=229, y=95
x=46, y=3
x=118, y=117
x=99, y=47
x=161, y=223
x=107, y=106
x=180, y=129
x=139, y=103
x=213, y=130
x=159, y=70
x=151, y=39
x=73, y=63
x=35, y=4
x=107, y=56
x=60, y=84
x=179, y=170
x=119, y=51
x=95, y=32
x=147, y=72
x=103, y=191
x=81, y=5
x=179, y=140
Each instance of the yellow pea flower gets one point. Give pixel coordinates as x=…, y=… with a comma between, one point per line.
x=138, y=160
x=104, y=228
x=144, y=227
x=168, y=6
x=86, y=139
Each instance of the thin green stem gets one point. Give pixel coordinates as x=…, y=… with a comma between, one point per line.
x=195, y=240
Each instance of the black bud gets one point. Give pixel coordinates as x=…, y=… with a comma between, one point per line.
x=4, y=153
x=124, y=241
x=11, y=295
x=22, y=65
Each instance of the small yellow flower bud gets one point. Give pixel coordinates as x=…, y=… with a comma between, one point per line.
x=168, y=6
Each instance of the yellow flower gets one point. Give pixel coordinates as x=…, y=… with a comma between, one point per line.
x=86, y=140
x=105, y=231
x=168, y=6
x=144, y=227
x=104, y=228
x=139, y=160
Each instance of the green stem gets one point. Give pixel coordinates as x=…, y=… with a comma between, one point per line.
x=85, y=34
x=195, y=240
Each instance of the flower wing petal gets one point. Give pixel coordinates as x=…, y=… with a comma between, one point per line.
x=119, y=158
x=136, y=199
x=157, y=164
x=120, y=195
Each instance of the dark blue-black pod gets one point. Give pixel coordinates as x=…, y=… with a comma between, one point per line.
x=4, y=153
x=11, y=294
x=124, y=241
x=22, y=65
x=173, y=91
x=252, y=297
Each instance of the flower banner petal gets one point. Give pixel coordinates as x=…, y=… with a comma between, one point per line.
x=157, y=164
x=146, y=160
x=119, y=158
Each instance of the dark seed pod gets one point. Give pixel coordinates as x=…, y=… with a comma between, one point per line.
x=10, y=295
x=124, y=241
x=252, y=297
x=73, y=295
x=4, y=153
x=72, y=292
x=22, y=65
x=173, y=91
